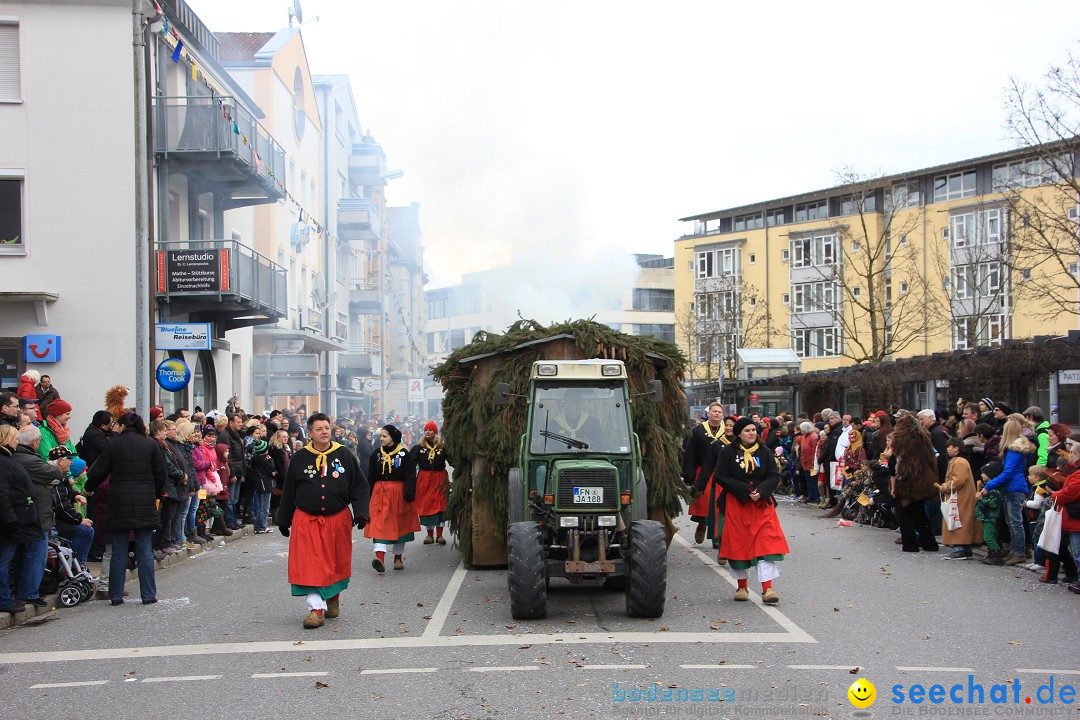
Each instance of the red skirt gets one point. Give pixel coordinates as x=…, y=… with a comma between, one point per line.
x=699, y=507
x=320, y=548
x=751, y=531
x=430, y=492
x=391, y=516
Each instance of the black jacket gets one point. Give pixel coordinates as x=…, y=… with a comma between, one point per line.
x=423, y=458
x=236, y=453
x=43, y=476
x=92, y=444
x=402, y=468
x=18, y=513
x=66, y=514
x=828, y=453
x=729, y=474
x=135, y=467
x=281, y=465
x=261, y=472
x=697, y=447
x=308, y=489
x=939, y=438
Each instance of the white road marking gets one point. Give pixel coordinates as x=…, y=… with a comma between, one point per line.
x=506, y=668
x=68, y=684
x=932, y=669
x=398, y=643
x=442, y=610
x=180, y=678
x=612, y=667
x=393, y=671
x=1048, y=672
x=797, y=633
x=725, y=666
x=826, y=667
x=289, y=674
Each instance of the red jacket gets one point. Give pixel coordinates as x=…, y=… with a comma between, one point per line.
x=1069, y=493
x=808, y=450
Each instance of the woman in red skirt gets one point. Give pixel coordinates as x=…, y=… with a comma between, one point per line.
x=751, y=532
x=431, y=483
x=392, y=474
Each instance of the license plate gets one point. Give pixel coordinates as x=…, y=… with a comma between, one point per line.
x=588, y=495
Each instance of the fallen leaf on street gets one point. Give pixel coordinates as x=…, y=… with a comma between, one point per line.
x=854, y=670
x=321, y=685
x=1013, y=642
x=298, y=642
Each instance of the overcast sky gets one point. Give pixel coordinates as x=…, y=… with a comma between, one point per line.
x=579, y=126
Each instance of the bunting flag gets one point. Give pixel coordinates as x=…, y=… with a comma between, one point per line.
x=194, y=72
x=179, y=49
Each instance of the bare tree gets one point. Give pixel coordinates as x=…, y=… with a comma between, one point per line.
x=863, y=274
x=728, y=314
x=686, y=327
x=1042, y=189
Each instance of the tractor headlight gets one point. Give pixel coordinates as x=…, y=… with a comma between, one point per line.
x=568, y=521
x=611, y=370
x=547, y=369
x=606, y=521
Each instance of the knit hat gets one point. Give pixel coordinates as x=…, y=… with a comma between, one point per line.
x=432, y=426
x=741, y=425
x=59, y=453
x=58, y=407
x=987, y=402
x=992, y=469
x=260, y=446
x=1003, y=408
x=78, y=467
x=155, y=413
x=209, y=430
x=393, y=432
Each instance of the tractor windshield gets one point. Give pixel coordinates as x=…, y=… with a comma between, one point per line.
x=581, y=418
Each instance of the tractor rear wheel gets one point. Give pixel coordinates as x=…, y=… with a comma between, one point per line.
x=646, y=582
x=526, y=572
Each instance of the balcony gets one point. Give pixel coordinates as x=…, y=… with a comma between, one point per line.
x=220, y=142
x=358, y=360
x=367, y=165
x=221, y=281
x=364, y=299
x=359, y=220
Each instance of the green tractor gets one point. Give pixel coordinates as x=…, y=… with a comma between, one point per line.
x=577, y=500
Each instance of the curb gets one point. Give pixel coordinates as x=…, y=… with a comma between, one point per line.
x=53, y=608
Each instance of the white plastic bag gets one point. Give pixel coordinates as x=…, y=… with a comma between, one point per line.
x=1050, y=537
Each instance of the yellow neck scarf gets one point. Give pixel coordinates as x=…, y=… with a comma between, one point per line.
x=709, y=431
x=388, y=458
x=565, y=424
x=320, y=457
x=748, y=457
x=431, y=449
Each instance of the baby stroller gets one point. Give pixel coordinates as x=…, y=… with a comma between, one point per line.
x=65, y=575
x=879, y=510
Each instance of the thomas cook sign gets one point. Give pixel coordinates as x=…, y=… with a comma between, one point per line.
x=173, y=374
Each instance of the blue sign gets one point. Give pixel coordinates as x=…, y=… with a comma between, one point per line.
x=41, y=348
x=173, y=374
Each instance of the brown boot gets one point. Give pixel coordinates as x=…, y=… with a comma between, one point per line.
x=333, y=607
x=219, y=527
x=398, y=565
x=699, y=534
x=429, y=540
x=742, y=594
x=769, y=597
x=313, y=620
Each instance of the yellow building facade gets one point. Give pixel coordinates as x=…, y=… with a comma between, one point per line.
x=884, y=268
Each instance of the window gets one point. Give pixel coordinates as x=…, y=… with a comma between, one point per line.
x=972, y=332
x=855, y=246
x=777, y=217
x=787, y=298
x=299, y=114
x=855, y=292
x=954, y=186
x=12, y=239
x=717, y=263
x=753, y=302
x=654, y=300
x=656, y=330
x=747, y=222
x=719, y=306
x=10, y=63
x=904, y=195
x=785, y=255
x=752, y=258
x=1030, y=173
x=816, y=250
x=814, y=297
x=812, y=211
x=903, y=287
x=971, y=229
x=816, y=342
x=961, y=278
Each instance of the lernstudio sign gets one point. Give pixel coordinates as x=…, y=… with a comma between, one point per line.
x=182, y=336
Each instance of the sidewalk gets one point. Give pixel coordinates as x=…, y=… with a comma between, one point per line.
x=31, y=613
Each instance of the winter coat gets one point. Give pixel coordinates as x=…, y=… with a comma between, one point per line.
x=958, y=477
x=807, y=450
x=19, y=520
x=182, y=452
x=910, y=489
x=48, y=442
x=44, y=397
x=44, y=476
x=92, y=444
x=135, y=467
x=1014, y=477
x=63, y=503
x=939, y=438
x=281, y=464
x=205, y=459
x=262, y=472
x=236, y=454
x=1068, y=498
x=991, y=451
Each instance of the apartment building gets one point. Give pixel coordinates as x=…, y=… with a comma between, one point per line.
x=874, y=269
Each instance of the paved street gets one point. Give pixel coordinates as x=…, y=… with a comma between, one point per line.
x=437, y=641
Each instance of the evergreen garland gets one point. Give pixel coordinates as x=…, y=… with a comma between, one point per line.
x=469, y=405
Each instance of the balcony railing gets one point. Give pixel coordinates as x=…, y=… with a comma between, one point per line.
x=222, y=277
x=359, y=220
x=222, y=128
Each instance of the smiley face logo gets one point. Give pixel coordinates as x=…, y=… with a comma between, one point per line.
x=862, y=693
